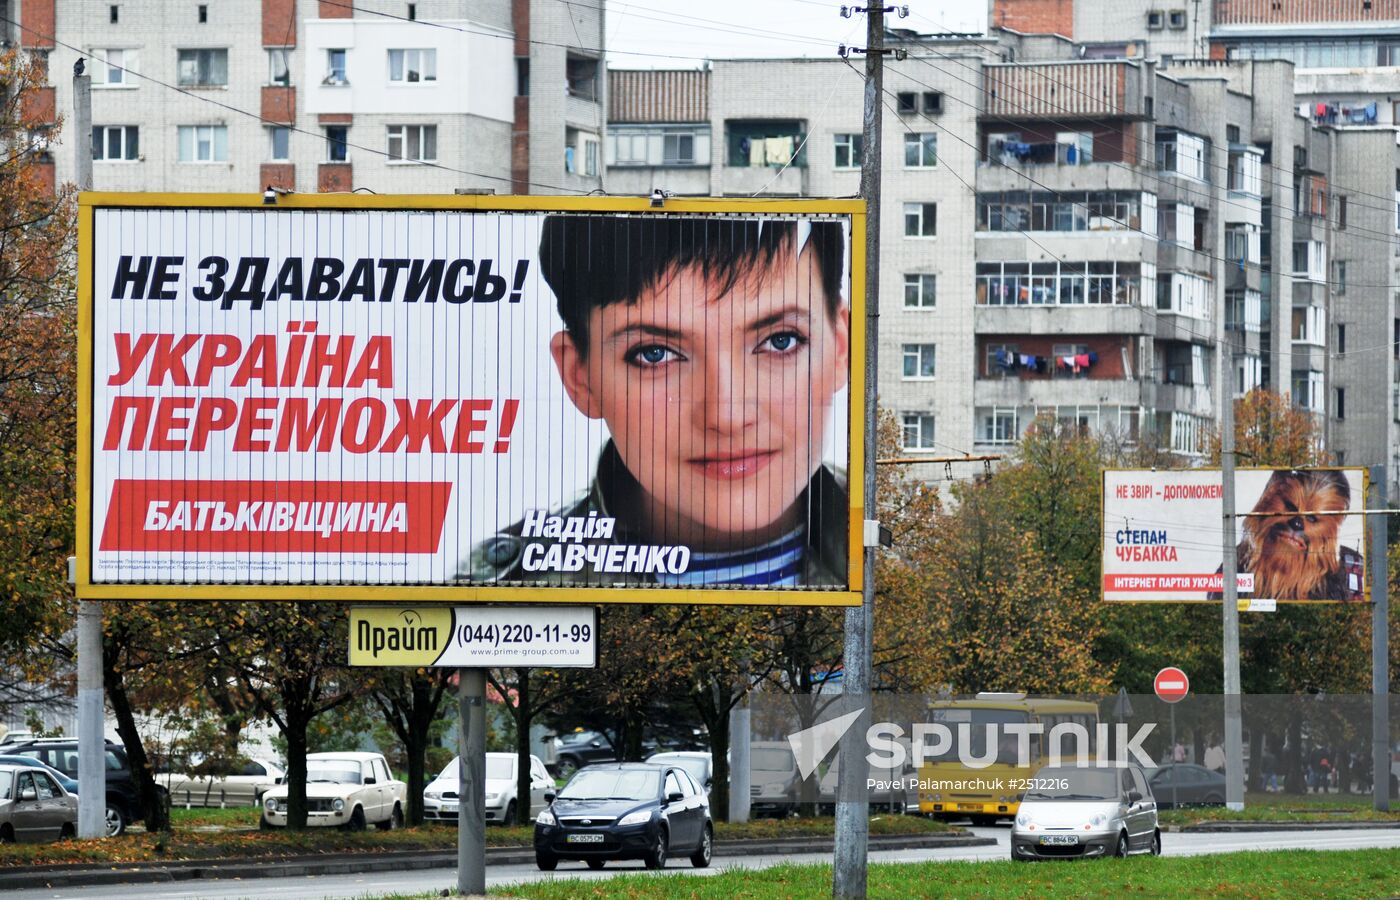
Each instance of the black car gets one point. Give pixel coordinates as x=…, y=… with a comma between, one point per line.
x=123, y=799
x=625, y=811
x=1184, y=784
x=580, y=748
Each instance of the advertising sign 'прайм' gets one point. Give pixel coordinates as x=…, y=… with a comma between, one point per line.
x=536, y=398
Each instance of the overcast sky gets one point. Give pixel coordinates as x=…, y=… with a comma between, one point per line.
x=683, y=32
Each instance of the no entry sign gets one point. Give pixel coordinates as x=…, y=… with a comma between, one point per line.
x=1171, y=684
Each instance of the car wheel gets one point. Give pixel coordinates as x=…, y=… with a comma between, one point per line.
x=1214, y=800
x=509, y=820
x=597, y=863
x=1121, y=851
x=701, y=857
x=566, y=767
x=7, y=834
x=546, y=862
x=395, y=820
x=1156, y=843
x=67, y=832
x=116, y=822
x=656, y=856
x=357, y=820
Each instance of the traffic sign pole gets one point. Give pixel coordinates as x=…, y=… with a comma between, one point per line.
x=1171, y=686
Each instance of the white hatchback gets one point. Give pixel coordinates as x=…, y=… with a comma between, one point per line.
x=1073, y=812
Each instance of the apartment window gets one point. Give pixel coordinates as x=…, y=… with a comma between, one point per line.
x=279, y=66
x=1064, y=283
x=1155, y=19
x=997, y=426
x=203, y=67
x=906, y=102
x=590, y=158
x=412, y=66
x=111, y=67
x=203, y=143
x=1232, y=133
x=1000, y=359
x=337, y=143
x=1341, y=212
x=413, y=12
x=1177, y=19
x=335, y=67
x=115, y=143
x=522, y=76
x=1300, y=156
x=1341, y=340
x=581, y=74
x=920, y=151
x=280, y=137
x=412, y=143
x=933, y=102
x=629, y=148
x=1340, y=285
x=920, y=291
x=848, y=150
x=678, y=148
x=113, y=14
x=920, y=219
x=918, y=431
x=203, y=13
x=919, y=361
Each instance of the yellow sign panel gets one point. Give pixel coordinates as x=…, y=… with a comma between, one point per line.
x=474, y=637
x=395, y=636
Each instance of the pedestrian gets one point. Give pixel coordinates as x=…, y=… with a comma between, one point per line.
x=1179, y=753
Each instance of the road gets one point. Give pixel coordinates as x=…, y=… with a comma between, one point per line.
x=358, y=887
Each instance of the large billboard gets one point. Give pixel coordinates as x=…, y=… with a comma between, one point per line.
x=470, y=398
x=1301, y=535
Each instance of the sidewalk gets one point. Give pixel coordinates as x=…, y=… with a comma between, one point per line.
x=398, y=860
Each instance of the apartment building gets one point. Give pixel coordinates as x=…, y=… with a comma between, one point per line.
x=1077, y=236
x=328, y=95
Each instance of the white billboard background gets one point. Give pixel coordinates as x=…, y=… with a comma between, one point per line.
x=441, y=350
x=1163, y=531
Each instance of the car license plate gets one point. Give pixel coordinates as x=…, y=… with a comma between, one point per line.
x=975, y=807
x=1059, y=839
x=449, y=807
x=584, y=839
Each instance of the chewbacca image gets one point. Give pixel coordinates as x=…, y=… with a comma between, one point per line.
x=1295, y=555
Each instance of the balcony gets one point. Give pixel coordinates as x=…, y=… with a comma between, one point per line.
x=1062, y=90
x=749, y=180
x=1016, y=392
x=1062, y=320
x=1185, y=398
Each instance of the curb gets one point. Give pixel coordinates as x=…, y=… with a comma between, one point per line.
x=398, y=861
x=1244, y=827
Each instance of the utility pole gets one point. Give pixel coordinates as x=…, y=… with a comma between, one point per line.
x=92, y=747
x=1230, y=607
x=1380, y=646
x=852, y=798
x=471, y=782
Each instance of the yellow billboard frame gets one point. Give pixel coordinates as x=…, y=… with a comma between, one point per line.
x=1365, y=553
x=89, y=202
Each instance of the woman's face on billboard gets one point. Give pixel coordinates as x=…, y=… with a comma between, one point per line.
x=718, y=402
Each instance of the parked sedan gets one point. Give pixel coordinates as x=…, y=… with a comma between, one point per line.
x=1074, y=812
x=242, y=783
x=1184, y=784
x=440, y=797
x=580, y=748
x=34, y=806
x=626, y=811
x=348, y=790
x=69, y=784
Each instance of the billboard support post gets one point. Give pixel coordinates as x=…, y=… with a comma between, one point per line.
x=1229, y=606
x=1380, y=646
x=471, y=775
x=852, y=800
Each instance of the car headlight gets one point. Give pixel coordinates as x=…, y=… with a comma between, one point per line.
x=271, y=804
x=432, y=795
x=492, y=798
x=937, y=798
x=1023, y=820
x=545, y=818
x=338, y=805
x=640, y=817
x=1097, y=819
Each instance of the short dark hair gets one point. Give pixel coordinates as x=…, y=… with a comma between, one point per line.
x=591, y=261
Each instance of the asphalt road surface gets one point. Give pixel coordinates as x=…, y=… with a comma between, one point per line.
x=357, y=887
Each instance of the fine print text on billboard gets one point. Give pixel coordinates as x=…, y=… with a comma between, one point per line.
x=478, y=402
x=1301, y=536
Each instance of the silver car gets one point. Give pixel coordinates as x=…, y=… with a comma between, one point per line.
x=1068, y=811
x=34, y=806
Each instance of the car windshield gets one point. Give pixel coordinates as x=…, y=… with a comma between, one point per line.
x=772, y=760
x=613, y=784
x=337, y=771
x=500, y=768
x=449, y=771
x=1073, y=783
x=4, y=785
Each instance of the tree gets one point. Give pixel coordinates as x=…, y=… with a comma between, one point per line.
x=38, y=391
x=527, y=693
x=410, y=700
